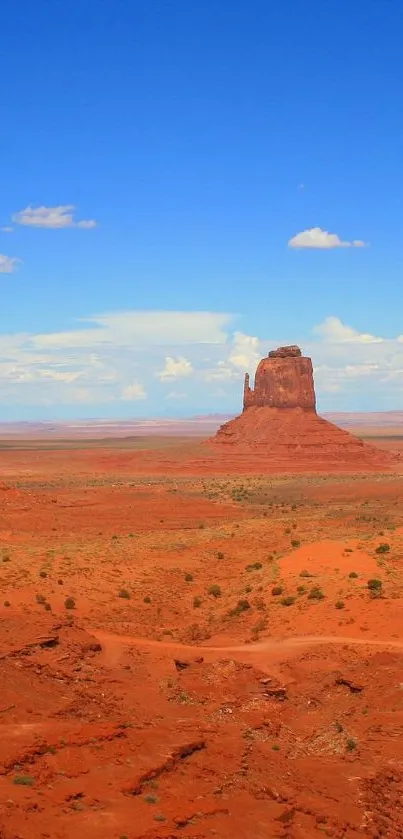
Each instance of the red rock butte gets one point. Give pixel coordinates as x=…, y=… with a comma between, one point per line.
x=279, y=425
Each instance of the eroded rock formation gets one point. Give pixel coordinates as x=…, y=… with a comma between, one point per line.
x=283, y=380
x=280, y=429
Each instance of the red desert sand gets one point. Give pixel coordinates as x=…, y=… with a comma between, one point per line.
x=187, y=652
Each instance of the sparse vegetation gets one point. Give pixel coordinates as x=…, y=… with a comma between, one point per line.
x=288, y=601
x=375, y=587
x=214, y=590
x=254, y=566
x=301, y=589
x=24, y=780
x=147, y=599
x=70, y=603
x=277, y=590
x=189, y=578
x=124, y=594
x=305, y=574
x=41, y=599
x=197, y=601
x=316, y=593
x=383, y=548
x=339, y=604
x=242, y=606
x=351, y=744
x=353, y=575
x=295, y=543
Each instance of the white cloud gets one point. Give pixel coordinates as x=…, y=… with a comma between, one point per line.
x=320, y=239
x=175, y=368
x=8, y=264
x=106, y=357
x=332, y=329
x=245, y=352
x=7, y=229
x=53, y=218
x=131, y=393
x=137, y=329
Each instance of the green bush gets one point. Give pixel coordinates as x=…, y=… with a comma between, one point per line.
x=316, y=593
x=242, y=606
x=383, y=548
x=375, y=587
x=288, y=601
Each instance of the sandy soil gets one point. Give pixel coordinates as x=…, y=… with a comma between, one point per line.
x=197, y=655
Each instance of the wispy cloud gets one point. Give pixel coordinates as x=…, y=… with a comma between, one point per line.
x=333, y=330
x=175, y=368
x=132, y=392
x=319, y=239
x=7, y=229
x=52, y=218
x=130, y=357
x=8, y=264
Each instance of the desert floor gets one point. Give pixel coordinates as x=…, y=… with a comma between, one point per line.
x=196, y=655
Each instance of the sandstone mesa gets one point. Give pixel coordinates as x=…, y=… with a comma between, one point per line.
x=280, y=424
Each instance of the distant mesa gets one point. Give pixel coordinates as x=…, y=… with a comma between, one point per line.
x=280, y=428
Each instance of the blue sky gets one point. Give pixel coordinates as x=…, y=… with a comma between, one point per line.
x=238, y=167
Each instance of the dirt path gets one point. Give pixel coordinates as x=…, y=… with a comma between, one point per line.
x=113, y=644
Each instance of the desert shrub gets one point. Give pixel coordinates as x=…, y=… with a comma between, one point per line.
x=288, y=601
x=316, y=593
x=189, y=578
x=295, y=543
x=241, y=606
x=277, y=590
x=339, y=604
x=60, y=582
x=147, y=599
x=6, y=558
x=383, y=548
x=47, y=607
x=301, y=589
x=43, y=574
x=351, y=744
x=214, y=590
x=338, y=727
x=375, y=587
x=23, y=780
x=305, y=574
x=254, y=566
x=70, y=603
x=124, y=594
x=7, y=603
x=220, y=555
x=197, y=601
x=353, y=575
x=40, y=598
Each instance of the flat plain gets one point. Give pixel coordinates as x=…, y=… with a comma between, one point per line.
x=188, y=655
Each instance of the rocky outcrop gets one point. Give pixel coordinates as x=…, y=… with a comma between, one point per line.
x=279, y=428
x=283, y=380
